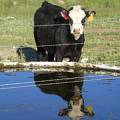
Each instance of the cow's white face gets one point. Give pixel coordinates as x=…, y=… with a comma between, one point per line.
x=76, y=109
x=77, y=16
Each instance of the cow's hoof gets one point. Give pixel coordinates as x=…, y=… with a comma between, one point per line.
x=65, y=60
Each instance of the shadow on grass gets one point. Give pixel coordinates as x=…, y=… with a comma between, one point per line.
x=27, y=54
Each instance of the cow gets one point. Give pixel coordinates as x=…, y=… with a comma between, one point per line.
x=59, y=33
x=70, y=92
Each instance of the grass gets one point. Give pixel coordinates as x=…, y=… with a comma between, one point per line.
x=102, y=48
x=26, y=8
x=16, y=27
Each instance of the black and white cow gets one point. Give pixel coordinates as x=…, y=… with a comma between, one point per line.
x=59, y=33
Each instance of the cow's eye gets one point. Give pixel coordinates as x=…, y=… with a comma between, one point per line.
x=83, y=21
x=70, y=21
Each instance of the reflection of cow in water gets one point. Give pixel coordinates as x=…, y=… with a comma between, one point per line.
x=69, y=89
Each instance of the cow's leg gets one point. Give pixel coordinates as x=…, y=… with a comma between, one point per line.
x=50, y=57
x=72, y=59
x=41, y=51
x=78, y=57
x=41, y=54
x=58, y=57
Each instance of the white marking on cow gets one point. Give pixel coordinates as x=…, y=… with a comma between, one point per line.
x=76, y=104
x=77, y=15
x=76, y=110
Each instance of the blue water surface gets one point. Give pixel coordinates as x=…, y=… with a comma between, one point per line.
x=22, y=99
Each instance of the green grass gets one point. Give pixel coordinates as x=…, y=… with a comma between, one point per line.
x=102, y=48
x=16, y=27
x=26, y=8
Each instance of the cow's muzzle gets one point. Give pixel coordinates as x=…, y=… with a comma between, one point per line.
x=76, y=31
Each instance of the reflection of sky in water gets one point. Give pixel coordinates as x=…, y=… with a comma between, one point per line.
x=31, y=103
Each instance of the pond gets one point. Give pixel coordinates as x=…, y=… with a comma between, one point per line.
x=56, y=96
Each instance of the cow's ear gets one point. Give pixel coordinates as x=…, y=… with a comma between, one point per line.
x=70, y=9
x=90, y=15
x=89, y=111
x=64, y=14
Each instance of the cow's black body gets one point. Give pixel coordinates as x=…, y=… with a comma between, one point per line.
x=70, y=48
x=65, y=91
x=50, y=37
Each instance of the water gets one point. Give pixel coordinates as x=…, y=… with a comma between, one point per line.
x=47, y=96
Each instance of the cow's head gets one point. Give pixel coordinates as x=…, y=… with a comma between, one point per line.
x=77, y=17
x=76, y=108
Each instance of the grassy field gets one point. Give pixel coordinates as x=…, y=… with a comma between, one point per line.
x=102, y=43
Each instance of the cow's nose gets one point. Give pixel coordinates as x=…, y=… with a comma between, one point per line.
x=77, y=31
